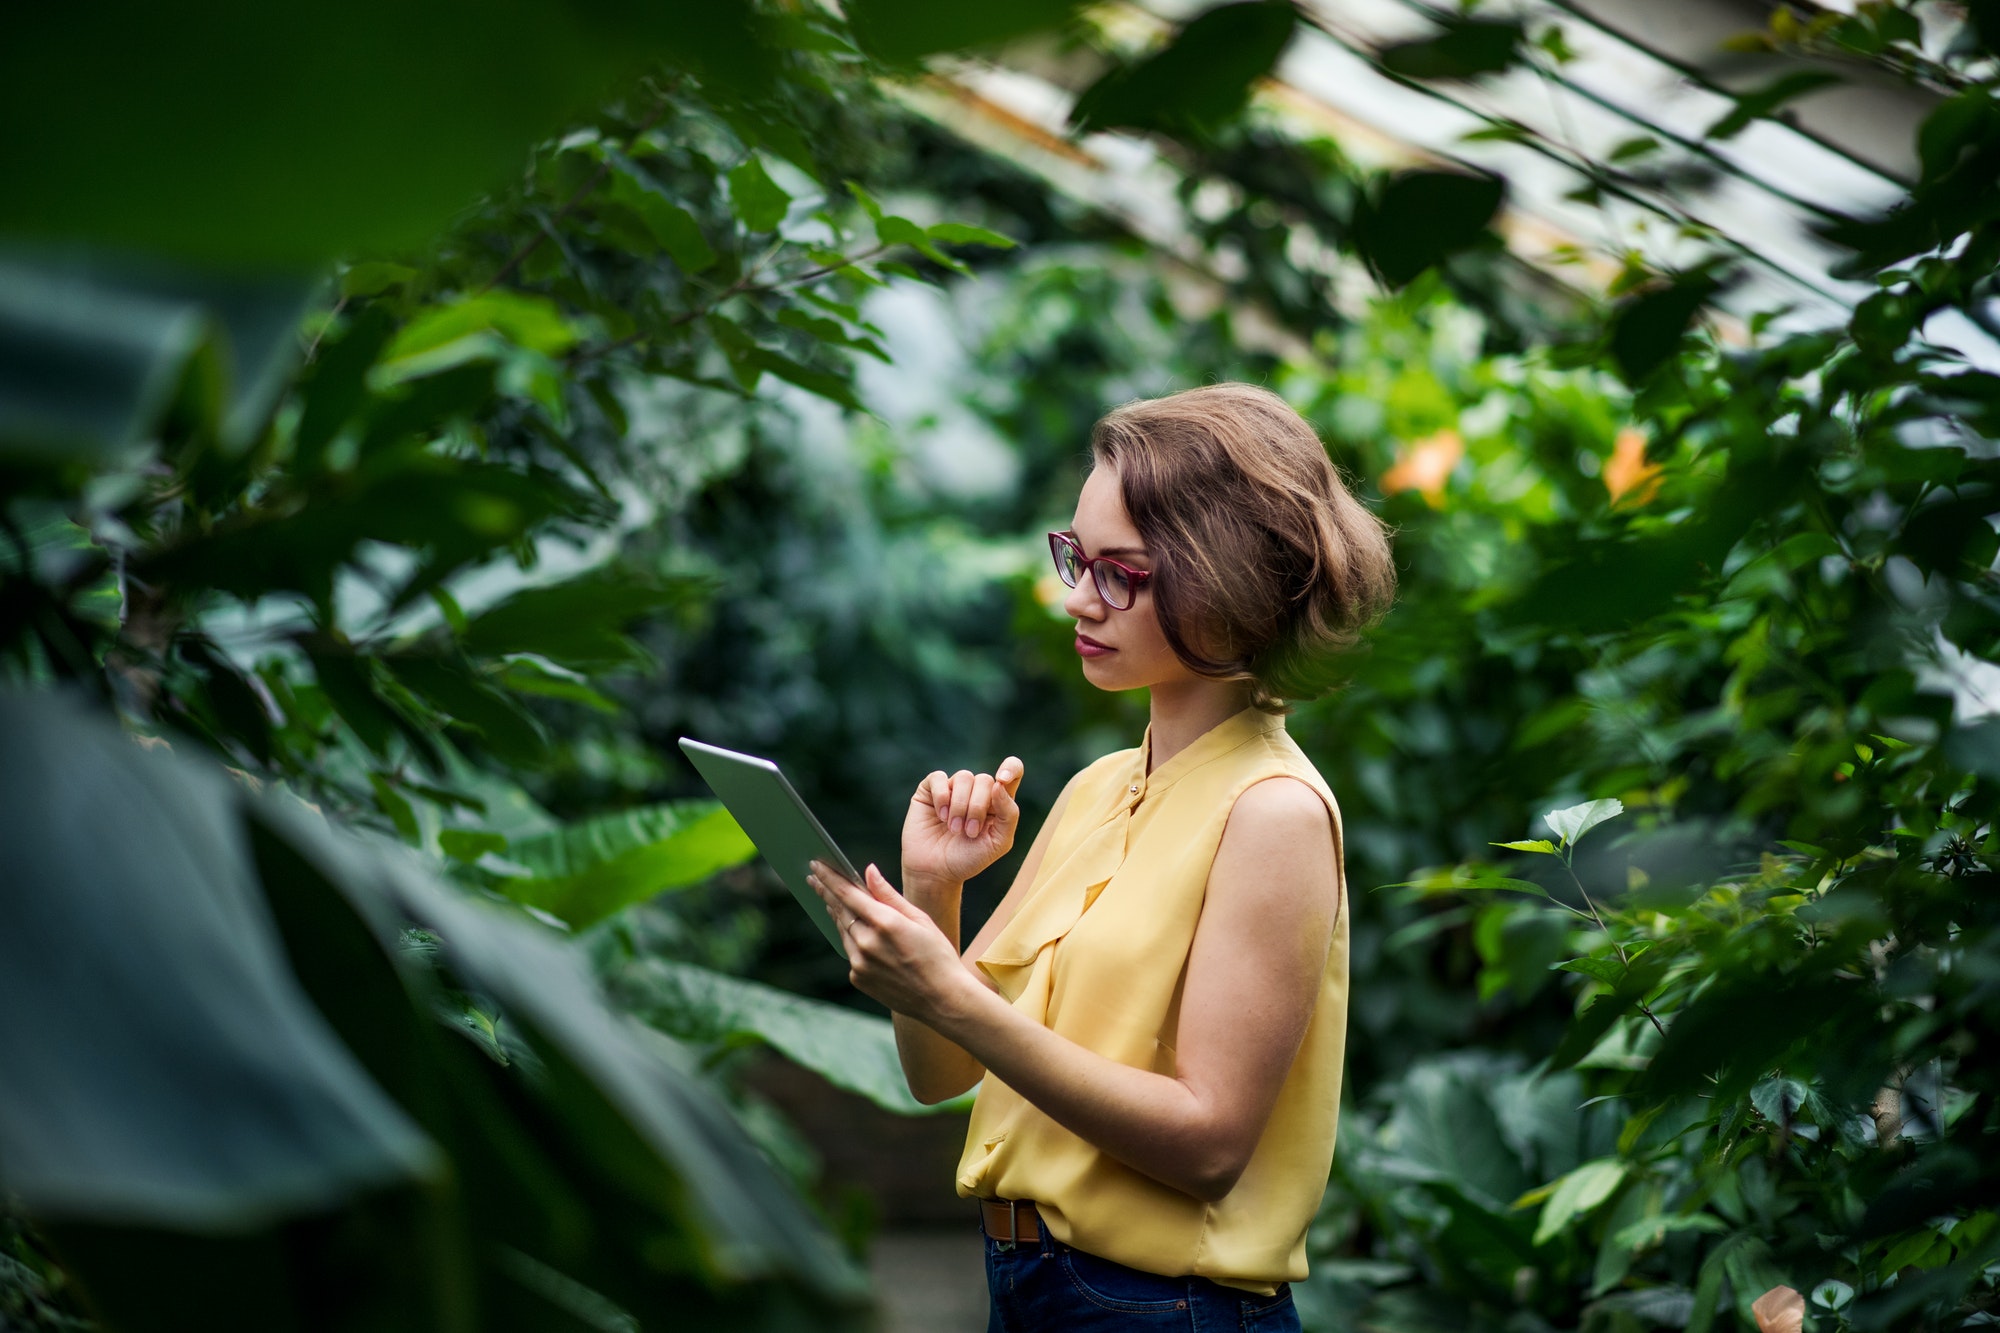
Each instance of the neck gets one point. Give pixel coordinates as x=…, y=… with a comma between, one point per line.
x=1185, y=710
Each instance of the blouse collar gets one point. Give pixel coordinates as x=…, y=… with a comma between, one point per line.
x=1212, y=744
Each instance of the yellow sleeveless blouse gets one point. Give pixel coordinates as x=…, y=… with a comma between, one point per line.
x=1098, y=952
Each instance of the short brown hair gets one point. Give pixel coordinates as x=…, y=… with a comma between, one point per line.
x=1266, y=566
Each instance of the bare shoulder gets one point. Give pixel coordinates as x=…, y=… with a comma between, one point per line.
x=1280, y=807
x=1278, y=848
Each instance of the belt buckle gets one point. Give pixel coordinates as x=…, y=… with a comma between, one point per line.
x=1013, y=1225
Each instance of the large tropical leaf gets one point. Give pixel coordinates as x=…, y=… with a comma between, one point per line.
x=586, y=871
x=652, y=1128
x=261, y=135
x=1446, y=1128
x=91, y=352
x=621, y=1168
x=850, y=1050
x=163, y=1066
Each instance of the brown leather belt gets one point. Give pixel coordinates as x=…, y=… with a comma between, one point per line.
x=1010, y=1219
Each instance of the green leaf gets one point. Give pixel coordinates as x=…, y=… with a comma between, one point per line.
x=468, y=845
x=962, y=233
x=1572, y=822
x=671, y=226
x=1765, y=101
x=1974, y=747
x=1447, y=1128
x=1650, y=1231
x=639, y=1153
x=901, y=31
x=850, y=1050
x=268, y=138
x=1954, y=127
x=1455, y=883
x=335, y=387
x=581, y=623
x=373, y=277
x=1200, y=79
x=1607, y=970
x=1740, y=1028
x=1421, y=218
x=349, y=684
x=824, y=383
x=1577, y=1194
x=1528, y=845
x=828, y=330
x=527, y=674
x=893, y=230
x=869, y=205
x=1503, y=132
x=1589, y=1027
x=1646, y=331
x=447, y=335
x=397, y=807
x=456, y=690
x=1465, y=49
x=758, y=201
x=163, y=1068
x=584, y=872
x=92, y=351
x=453, y=511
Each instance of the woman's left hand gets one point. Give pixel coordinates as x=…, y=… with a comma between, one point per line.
x=895, y=952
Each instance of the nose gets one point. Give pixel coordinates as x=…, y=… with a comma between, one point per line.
x=1084, y=602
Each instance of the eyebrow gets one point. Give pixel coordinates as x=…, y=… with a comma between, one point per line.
x=1109, y=550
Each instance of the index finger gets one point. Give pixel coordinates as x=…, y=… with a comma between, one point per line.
x=935, y=791
x=857, y=899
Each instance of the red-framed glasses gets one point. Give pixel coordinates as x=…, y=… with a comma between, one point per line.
x=1117, y=584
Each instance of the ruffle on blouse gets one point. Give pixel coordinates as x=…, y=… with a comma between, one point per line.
x=1050, y=913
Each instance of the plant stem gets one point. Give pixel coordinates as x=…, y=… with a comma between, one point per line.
x=1623, y=958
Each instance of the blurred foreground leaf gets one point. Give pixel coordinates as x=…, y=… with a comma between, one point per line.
x=1421, y=218
x=240, y=134
x=901, y=31
x=1200, y=79
x=163, y=1067
x=221, y=1131
x=1465, y=49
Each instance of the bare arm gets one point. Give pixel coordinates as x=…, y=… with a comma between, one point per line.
x=1253, y=977
x=935, y=1067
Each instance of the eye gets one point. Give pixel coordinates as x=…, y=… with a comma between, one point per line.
x=1069, y=563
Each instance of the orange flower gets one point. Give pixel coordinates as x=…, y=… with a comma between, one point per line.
x=1425, y=465
x=1627, y=473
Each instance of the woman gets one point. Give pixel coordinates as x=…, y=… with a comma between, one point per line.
x=1158, y=1006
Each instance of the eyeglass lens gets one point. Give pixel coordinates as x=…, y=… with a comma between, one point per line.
x=1112, y=584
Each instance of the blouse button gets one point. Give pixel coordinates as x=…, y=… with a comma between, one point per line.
x=1135, y=789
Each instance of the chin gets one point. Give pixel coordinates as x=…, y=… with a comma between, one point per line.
x=1108, y=678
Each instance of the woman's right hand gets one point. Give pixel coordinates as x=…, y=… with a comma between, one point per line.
x=960, y=823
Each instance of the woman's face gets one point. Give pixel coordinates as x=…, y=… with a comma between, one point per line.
x=1121, y=650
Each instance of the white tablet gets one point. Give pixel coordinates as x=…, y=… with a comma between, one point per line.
x=784, y=830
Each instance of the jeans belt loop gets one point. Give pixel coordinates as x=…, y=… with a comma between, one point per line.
x=1013, y=1225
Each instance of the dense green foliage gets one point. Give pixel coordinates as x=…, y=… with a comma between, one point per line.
x=543, y=482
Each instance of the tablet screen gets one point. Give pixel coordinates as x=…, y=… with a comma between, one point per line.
x=784, y=830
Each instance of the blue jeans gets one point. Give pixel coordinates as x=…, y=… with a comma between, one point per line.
x=1051, y=1287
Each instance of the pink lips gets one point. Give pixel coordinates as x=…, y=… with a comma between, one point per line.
x=1089, y=647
